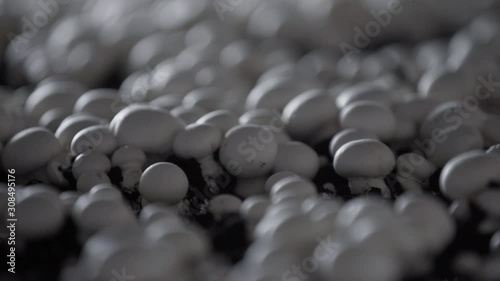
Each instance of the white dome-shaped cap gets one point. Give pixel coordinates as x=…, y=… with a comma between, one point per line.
x=90, y=161
x=30, y=150
x=274, y=93
x=276, y=177
x=365, y=92
x=73, y=124
x=241, y=158
x=468, y=173
x=98, y=138
x=443, y=84
x=364, y=159
x=298, y=158
x=308, y=113
x=224, y=204
x=102, y=103
x=348, y=135
x=164, y=182
x=128, y=154
x=222, y=119
x=146, y=127
x=370, y=116
x=197, y=141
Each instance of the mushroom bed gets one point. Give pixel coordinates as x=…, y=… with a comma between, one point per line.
x=256, y=140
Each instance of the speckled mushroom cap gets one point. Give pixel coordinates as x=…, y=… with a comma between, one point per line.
x=243, y=159
x=146, y=127
x=102, y=103
x=163, y=182
x=53, y=95
x=308, y=113
x=30, y=150
x=348, y=135
x=73, y=124
x=468, y=173
x=364, y=159
x=98, y=138
x=222, y=119
x=298, y=158
x=197, y=141
x=370, y=116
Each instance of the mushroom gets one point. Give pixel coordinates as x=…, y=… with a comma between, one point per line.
x=200, y=141
x=248, y=151
x=311, y=116
x=53, y=118
x=90, y=179
x=68, y=199
x=413, y=171
x=443, y=84
x=73, y=124
x=30, y=150
x=253, y=208
x=298, y=158
x=188, y=115
x=156, y=211
x=365, y=163
x=346, y=136
x=146, y=127
x=469, y=173
x=90, y=161
x=269, y=118
x=98, y=138
x=208, y=98
x=39, y=211
x=276, y=177
x=164, y=182
x=130, y=160
x=224, y=204
x=102, y=103
x=222, y=119
x=370, y=116
x=291, y=188
x=57, y=168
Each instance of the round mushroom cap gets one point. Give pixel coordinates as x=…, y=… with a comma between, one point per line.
x=39, y=211
x=102, y=103
x=261, y=116
x=364, y=159
x=224, y=204
x=128, y=154
x=442, y=84
x=370, y=116
x=249, y=151
x=73, y=124
x=52, y=95
x=468, y=173
x=298, y=158
x=98, y=138
x=53, y=118
x=90, y=161
x=347, y=135
x=105, y=190
x=292, y=188
x=208, y=98
x=164, y=182
x=188, y=115
x=223, y=119
x=253, y=208
x=364, y=92
x=155, y=211
x=30, y=150
x=306, y=114
x=276, y=177
x=146, y=127
x=90, y=179
x=197, y=141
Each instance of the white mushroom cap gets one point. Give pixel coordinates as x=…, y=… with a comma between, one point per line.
x=105, y=191
x=288, y=188
x=444, y=84
x=197, y=141
x=364, y=207
x=189, y=114
x=30, y=150
x=222, y=119
x=53, y=118
x=90, y=161
x=309, y=113
x=68, y=199
x=39, y=211
x=365, y=92
x=244, y=159
x=468, y=173
x=90, y=179
x=208, y=98
x=364, y=159
x=53, y=95
x=98, y=138
x=347, y=135
x=164, y=182
x=414, y=165
x=224, y=204
x=148, y=128
x=261, y=116
x=128, y=155
x=254, y=208
x=276, y=177
x=102, y=103
x=370, y=116
x=156, y=211
x=298, y=158
x=73, y=124
x=166, y=102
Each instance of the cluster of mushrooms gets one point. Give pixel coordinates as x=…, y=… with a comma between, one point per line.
x=232, y=140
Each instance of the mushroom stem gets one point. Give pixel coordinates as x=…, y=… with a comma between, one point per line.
x=210, y=170
x=361, y=185
x=131, y=177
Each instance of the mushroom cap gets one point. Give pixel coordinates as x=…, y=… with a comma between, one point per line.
x=103, y=103
x=56, y=166
x=348, y=135
x=197, y=141
x=298, y=158
x=414, y=165
x=488, y=200
x=494, y=150
x=128, y=154
x=443, y=84
x=73, y=124
x=276, y=177
x=364, y=159
x=164, y=182
x=364, y=92
x=146, y=127
x=222, y=119
x=416, y=109
x=208, y=98
x=155, y=211
x=39, y=211
x=253, y=208
x=53, y=95
x=166, y=102
x=30, y=150
x=468, y=173
x=90, y=161
x=241, y=158
x=90, y=179
x=260, y=116
x=188, y=115
x=292, y=188
x=105, y=190
x=98, y=138
x=370, y=116
x=306, y=114
x=224, y=204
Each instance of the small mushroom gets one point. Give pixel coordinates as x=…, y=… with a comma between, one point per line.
x=102, y=103
x=130, y=160
x=365, y=163
x=90, y=161
x=346, y=136
x=73, y=124
x=164, y=182
x=224, y=204
x=298, y=158
x=98, y=138
x=291, y=188
x=200, y=141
